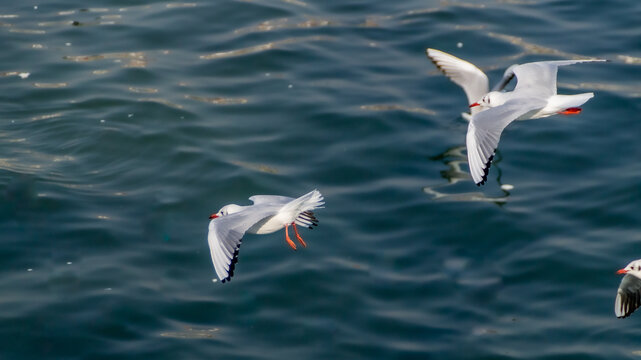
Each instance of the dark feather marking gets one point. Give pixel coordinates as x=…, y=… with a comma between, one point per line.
x=486, y=169
x=232, y=265
x=438, y=66
x=630, y=301
x=308, y=216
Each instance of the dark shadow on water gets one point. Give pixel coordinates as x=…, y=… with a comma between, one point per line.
x=455, y=173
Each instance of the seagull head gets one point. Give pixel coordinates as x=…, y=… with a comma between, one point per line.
x=226, y=210
x=221, y=212
x=491, y=99
x=633, y=267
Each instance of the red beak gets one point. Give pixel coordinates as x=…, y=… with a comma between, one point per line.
x=213, y=216
x=475, y=104
x=622, y=271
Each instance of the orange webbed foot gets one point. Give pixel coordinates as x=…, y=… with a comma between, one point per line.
x=289, y=241
x=298, y=237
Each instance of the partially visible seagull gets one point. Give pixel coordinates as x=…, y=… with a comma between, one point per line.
x=268, y=214
x=534, y=96
x=629, y=292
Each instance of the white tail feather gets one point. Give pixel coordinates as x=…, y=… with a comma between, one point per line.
x=310, y=201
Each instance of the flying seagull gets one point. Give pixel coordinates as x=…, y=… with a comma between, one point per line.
x=268, y=214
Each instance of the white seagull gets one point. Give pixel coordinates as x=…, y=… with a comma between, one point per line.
x=534, y=96
x=268, y=214
x=629, y=292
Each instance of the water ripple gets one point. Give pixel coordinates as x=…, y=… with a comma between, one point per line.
x=138, y=121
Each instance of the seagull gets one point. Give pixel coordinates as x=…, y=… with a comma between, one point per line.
x=629, y=293
x=268, y=214
x=534, y=96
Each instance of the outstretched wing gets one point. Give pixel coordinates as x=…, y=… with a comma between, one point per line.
x=541, y=76
x=464, y=74
x=301, y=206
x=270, y=199
x=226, y=234
x=508, y=75
x=628, y=296
x=484, y=132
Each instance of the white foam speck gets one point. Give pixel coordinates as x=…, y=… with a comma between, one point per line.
x=290, y=86
x=214, y=280
x=29, y=269
x=459, y=45
x=102, y=121
x=507, y=187
x=69, y=263
x=24, y=75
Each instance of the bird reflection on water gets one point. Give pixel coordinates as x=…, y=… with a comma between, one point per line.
x=453, y=158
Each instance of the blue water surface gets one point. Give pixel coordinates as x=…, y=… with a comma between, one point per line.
x=124, y=125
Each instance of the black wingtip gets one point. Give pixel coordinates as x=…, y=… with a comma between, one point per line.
x=486, y=170
x=434, y=61
x=232, y=265
x=308, y=216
